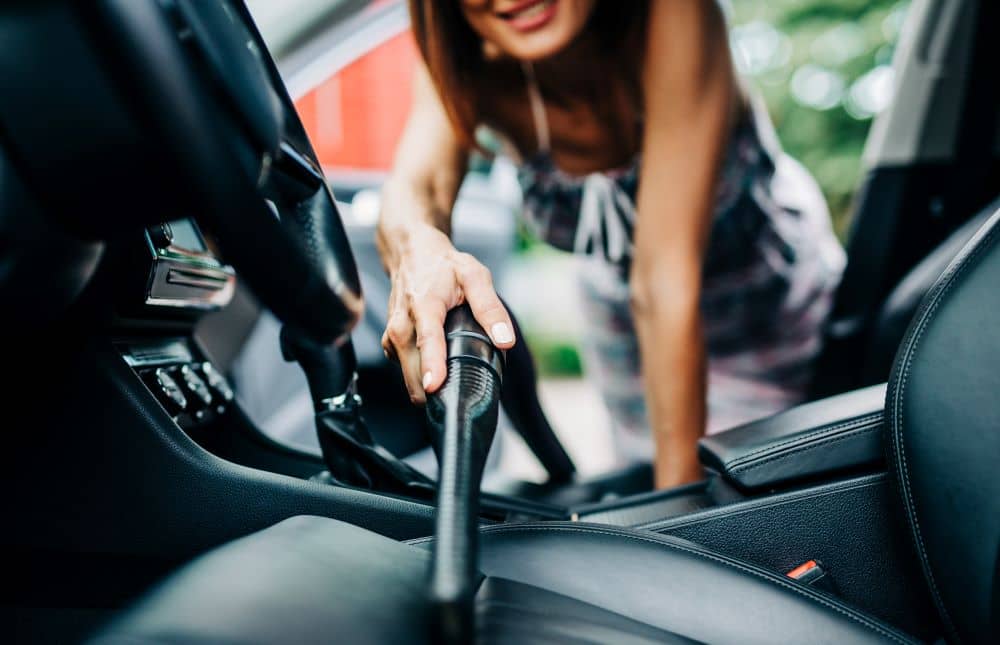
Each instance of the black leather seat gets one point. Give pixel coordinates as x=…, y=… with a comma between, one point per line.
x=943, y=414
x=901, y=304
x=312, y=579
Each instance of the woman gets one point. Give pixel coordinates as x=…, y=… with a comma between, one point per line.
x=706, y=269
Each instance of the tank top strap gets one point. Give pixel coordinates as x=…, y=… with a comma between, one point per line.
x=537, y=108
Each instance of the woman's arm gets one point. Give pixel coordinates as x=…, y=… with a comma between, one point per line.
x=427, y=171
x=689, y=96
x=428, y=275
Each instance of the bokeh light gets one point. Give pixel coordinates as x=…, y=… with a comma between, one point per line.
x=824, y=69
x=817, y=87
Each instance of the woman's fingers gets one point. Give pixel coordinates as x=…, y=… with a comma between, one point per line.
x=409, y=362
x=415, y=337
x=398, y=343
x=428, y=318
x=477, y=285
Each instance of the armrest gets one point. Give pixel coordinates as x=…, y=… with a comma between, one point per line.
x=835, y=433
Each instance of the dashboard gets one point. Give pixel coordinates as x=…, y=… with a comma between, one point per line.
x=179, y=278
x=183, y=272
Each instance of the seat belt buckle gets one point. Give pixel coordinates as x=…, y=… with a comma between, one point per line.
x=814, y=574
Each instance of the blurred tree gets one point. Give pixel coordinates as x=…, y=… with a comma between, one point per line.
x=824, y=71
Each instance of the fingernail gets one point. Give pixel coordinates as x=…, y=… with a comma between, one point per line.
x=428, y=377
x=501, y=333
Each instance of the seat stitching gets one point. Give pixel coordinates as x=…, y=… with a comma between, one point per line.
x=896, y=435
x=799, y=450
x=767, y=576
x=860, y=421
x=753, y=506
x=484, y=606
x=897, y=430
x=725, y=561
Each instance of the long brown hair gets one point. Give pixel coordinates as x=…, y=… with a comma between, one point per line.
x=453, y=51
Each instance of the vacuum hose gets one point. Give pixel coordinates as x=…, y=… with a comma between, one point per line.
x=463, y=419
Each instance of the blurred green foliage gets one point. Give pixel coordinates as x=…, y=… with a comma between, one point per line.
x=555, y=356
x=823, y=70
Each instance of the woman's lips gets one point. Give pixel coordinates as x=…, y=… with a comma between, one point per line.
x=530, y=15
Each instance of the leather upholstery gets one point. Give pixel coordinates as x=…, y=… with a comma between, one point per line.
x=673, y=584
x=835, y=433
x=901, y=305
x=944, y=428
x=304, y=580
x=516, y=613
x=311, y=579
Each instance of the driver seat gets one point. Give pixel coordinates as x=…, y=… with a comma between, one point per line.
x=312, y=579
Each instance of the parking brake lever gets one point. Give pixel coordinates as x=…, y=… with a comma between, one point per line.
x=463, y=419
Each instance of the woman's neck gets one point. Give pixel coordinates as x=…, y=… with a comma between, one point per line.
x=572, y=69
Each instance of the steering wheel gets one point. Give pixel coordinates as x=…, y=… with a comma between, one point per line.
x=126, y=113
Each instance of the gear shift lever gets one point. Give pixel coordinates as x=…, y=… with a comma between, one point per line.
x=352, y=455
x=463, y=418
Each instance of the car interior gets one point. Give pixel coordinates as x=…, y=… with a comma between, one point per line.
x=151, y=160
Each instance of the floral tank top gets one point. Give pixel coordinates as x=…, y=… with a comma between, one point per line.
x=770, y=269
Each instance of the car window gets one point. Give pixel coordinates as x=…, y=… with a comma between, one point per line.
x=355, y=104
x=282, y=22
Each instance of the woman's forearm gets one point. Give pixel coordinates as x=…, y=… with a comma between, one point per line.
x=419, y=194
x=408, y=211
x=672, y=352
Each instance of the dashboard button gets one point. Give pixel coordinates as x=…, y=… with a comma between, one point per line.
x=168, y=391
x=195, y=385
x=216, y=381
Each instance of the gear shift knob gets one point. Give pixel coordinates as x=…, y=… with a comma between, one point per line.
x=463, y=418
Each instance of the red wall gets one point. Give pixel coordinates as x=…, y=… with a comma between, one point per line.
x=355, y=117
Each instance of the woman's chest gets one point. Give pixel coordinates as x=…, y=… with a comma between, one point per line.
x=584, y=136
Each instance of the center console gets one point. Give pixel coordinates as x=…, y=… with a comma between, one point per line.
x=191, y=390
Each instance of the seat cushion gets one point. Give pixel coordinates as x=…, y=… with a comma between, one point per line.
x=304, y=580
x=672, y=584
x=311, y=579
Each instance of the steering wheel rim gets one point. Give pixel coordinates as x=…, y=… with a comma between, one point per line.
x=197, y=122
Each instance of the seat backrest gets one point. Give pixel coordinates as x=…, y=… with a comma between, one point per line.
x=931, y=163
x=943, y=413
x=902, y=303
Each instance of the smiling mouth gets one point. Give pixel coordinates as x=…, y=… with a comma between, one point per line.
x=529, y=14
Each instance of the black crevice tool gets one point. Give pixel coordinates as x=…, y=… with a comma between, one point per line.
x=524, y=410
x=463, y=419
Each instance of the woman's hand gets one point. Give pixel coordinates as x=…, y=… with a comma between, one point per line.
x=430, y=278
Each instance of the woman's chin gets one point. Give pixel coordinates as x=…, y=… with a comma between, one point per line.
x=537, y=45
